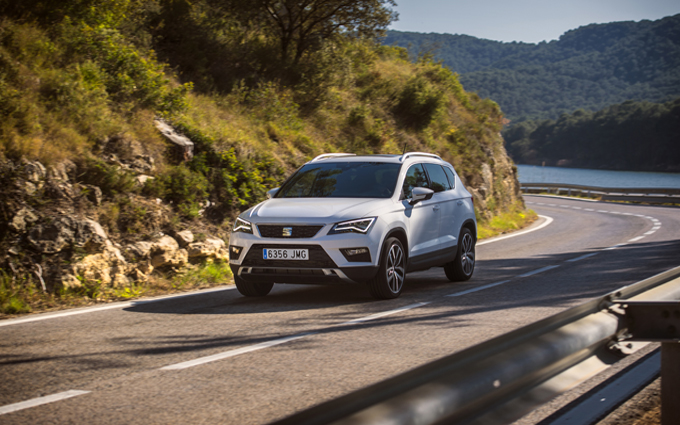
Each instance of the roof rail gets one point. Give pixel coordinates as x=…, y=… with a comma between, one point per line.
x=331, y=155
x=409, y=154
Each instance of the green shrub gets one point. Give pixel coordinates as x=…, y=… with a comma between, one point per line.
x=187, y=190
x=11, y=301
x=109, y=178
x=129, y=77
x=419, y=102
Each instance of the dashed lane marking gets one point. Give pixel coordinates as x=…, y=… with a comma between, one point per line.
x=40, y=401
x=541, y=270
x=279, y=341
x=656, y=224
x=583, y=257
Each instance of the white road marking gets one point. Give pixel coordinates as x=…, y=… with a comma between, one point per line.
x=40, y=401
x=583, y=257
x=232, y=353
x=383, y=314
x=279, y=341
x=469, y=291
x=547, y=222
x=111, y=306
x=615, y=247
x=636, y=239
x=544, y=269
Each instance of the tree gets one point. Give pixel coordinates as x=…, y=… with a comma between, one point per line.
x=302, y=25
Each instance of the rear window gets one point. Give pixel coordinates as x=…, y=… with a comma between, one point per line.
x=438, y=177
x=452, y=178
x=342, y=180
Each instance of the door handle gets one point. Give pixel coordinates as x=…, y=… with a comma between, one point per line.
x=436, y=208
x=460, y=202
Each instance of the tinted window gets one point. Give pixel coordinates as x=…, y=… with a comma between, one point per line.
x=438, y=177
x=452, y=178
x=415, y=177
x=342, y=180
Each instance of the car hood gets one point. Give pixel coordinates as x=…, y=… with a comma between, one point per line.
x=317, y=210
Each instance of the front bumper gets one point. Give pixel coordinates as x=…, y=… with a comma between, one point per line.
x=326, y=263
x=360, y=274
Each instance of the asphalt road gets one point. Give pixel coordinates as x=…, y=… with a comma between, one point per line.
x=217, y=357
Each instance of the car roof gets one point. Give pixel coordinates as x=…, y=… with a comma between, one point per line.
x=397, y=159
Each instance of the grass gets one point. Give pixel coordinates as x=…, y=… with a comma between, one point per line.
x=514, y=218
x=21, y=296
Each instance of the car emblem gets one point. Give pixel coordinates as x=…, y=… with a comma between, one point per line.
x=287, y=231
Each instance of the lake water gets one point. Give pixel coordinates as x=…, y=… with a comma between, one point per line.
x=599, y=178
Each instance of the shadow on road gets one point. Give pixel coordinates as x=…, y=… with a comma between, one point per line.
x=570, y=284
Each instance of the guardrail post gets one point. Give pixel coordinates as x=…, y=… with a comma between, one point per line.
x=670, y=383
x=660, y=321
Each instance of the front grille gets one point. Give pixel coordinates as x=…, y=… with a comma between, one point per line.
x=298, y=232
x=317, y=258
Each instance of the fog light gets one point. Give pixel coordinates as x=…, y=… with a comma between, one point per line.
x=358, y=255
x=234, y=252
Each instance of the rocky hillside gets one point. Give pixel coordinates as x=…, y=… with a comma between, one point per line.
x=127, y=146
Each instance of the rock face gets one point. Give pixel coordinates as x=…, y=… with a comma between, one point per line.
x=72, y=249
x=166, y=252
x=183, y=146
x=107, y=268
x=55, y=235
x=184, y=238
x=213, y=249
x=494, y=185
x=22, y=219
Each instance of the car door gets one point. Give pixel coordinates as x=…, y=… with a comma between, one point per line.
x=421, y=218
x=463, y=208
x=445, y=199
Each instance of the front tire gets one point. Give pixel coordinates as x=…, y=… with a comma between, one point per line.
x=389, y=281
x=252, y=289
x=462, y=267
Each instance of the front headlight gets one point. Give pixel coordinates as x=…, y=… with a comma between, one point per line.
x=241, y=225
x=353, y=226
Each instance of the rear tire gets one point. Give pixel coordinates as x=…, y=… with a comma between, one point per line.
x=389, y=281
x=462, y=267
x=252, y=289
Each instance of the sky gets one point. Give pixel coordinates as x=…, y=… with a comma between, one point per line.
x=530, y=21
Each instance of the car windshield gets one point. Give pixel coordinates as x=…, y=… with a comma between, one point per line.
x=342, y=180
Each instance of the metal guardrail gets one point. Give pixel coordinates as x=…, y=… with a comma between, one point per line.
x=463, y=386
x=647, y=195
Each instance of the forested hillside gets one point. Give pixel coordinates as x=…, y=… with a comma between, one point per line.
x=589, y=68
x=98, y=203
x=634, y=136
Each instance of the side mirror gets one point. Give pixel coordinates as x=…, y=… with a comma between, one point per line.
x=420, y=194
x=272, y=192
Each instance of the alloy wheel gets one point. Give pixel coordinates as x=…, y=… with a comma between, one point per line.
x=395, y=268
x=467, y=257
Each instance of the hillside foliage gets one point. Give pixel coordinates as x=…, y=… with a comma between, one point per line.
x=78, y=75
x=634, y=136
x=588, y=68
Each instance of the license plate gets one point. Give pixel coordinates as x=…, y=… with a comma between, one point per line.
x=285, y=254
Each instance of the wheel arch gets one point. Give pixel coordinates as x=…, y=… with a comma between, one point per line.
x=472, y=226
x=400, y=234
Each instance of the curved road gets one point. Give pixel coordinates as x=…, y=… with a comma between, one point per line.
x=216, y=357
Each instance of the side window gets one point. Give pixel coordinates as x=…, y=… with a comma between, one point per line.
x=451, y=176
x=415, y=177
x=438, y=177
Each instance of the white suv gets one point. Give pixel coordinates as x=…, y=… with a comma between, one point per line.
x=357, y=219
